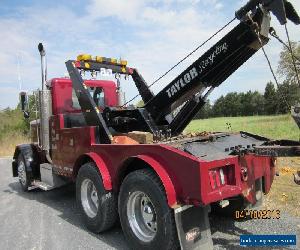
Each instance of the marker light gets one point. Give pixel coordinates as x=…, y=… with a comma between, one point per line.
x=99, y=59
x=222, y=176
x=217, y=177
x=123, y=62
x=84, y=57
x=113, y=61
x=104, y=60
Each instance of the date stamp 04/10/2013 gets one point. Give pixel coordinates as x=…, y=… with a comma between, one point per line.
x=257, y=214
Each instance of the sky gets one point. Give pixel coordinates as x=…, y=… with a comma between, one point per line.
x=151, y=34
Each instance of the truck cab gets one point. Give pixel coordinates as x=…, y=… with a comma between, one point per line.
x=64, y=99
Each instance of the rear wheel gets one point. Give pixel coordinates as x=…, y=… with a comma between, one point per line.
x=23, y=173
x=98, y=207
x=146, y=219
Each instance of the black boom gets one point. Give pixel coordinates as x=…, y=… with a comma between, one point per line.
x=171, y=110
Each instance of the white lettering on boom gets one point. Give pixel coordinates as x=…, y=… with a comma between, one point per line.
x=177, y=86
x=194, y=72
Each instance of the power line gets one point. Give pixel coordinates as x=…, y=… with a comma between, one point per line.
x=183, y=59
x=274, y=34
x=292, y=53
x=272, y=71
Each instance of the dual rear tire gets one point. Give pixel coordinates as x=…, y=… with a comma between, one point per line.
x=98, y=207
x=146, y=219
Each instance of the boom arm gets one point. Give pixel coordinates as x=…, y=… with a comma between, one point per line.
x=217, y=64
x=210, y=70
x=187, y=92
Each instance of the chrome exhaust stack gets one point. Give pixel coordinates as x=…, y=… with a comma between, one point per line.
x=45, y=105
x=43, y=65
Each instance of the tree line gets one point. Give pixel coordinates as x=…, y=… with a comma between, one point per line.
x=273, y=101
x=276, y=99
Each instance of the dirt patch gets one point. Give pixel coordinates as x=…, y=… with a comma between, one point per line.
x=285, y=193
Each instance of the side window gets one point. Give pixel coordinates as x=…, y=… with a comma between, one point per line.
x=98, y=96
x=96, y=93
x=75, y=102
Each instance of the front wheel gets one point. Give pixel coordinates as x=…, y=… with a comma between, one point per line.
x=23, y=174
x=147, y=220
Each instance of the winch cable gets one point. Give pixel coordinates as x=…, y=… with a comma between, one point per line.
x=183, y=59
x=289, y=47
x=274, y=34
x=283, y=96
x=292, y=53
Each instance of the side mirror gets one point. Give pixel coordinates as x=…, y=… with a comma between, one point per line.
x=24, y=104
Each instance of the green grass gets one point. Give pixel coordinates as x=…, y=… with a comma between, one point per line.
x=12, y=131
x=274, y=127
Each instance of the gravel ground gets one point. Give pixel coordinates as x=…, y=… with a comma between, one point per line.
x=226, y=232
x=50, y=220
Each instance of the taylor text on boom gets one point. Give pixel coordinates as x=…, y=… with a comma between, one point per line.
x=196, y=70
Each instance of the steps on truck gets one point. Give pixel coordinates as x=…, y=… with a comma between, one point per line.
x=42, y=185
x=49, y=180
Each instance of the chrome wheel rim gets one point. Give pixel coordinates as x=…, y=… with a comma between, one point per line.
x=89, y=198
x=142, y=216
x=22, y=173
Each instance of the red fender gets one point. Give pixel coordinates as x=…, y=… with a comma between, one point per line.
x=164, y=177
x=101, y=165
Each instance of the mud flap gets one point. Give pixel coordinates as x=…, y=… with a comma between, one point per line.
x=193, y=227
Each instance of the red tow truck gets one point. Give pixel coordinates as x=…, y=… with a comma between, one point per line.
x=134, y=163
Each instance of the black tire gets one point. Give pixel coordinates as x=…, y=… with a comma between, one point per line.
x=23, y=174
x=146, y=182
x=106, y=214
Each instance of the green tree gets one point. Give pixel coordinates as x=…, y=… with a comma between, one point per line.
x=232, y=104
x=289, y=91
x=205, y=112
x=11, y=121
x=252, y=103
x=258, y=102
x=286, y=68
x=288, y=94
x=271, y=99
x=218, y=108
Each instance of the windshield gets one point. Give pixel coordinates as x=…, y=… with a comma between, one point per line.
x=96, y=93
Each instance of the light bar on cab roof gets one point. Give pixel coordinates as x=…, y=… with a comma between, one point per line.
x=101, y=59
x=84, y=57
